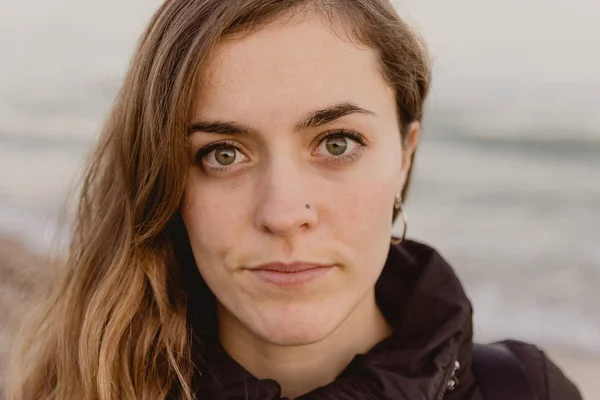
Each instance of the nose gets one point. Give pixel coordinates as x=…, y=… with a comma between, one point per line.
x=283, y=196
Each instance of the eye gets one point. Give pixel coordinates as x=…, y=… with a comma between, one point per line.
x=341, y=145
x=224, y=155
x=220, y=156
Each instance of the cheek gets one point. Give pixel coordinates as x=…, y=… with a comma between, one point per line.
x=206, y=211
x=361, y=219
x=366, y=205
x=370, y=209
x=212, y=222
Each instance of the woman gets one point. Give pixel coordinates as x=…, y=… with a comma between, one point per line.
x=233, y=233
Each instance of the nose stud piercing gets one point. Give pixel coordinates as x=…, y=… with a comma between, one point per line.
x=307, y=206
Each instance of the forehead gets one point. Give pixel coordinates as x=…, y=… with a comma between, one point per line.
x=293, y=67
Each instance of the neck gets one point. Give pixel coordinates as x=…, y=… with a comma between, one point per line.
x=300, y=369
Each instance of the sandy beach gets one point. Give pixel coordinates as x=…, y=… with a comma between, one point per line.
x=24, y=275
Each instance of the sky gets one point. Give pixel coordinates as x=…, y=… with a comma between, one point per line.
x=513, y=64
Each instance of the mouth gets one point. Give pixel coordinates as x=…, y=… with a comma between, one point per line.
x=290, y=275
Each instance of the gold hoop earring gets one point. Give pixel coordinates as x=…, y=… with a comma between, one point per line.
x=399, y=206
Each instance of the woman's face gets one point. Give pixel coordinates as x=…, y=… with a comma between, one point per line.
x=293, y=115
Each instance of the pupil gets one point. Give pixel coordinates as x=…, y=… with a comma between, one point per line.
x=337, y=146
x=225, y=156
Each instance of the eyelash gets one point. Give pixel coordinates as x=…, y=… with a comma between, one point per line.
x=338, y=133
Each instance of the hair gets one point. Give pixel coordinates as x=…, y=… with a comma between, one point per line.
x=115, y=324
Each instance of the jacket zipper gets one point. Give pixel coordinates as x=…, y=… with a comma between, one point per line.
x=449, y=376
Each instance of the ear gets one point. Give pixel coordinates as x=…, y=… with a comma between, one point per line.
x=409, y=146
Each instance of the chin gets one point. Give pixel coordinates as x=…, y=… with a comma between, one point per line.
x=298, y=337
x=296, y=328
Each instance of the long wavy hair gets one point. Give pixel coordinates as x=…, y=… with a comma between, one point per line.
x=116, y=325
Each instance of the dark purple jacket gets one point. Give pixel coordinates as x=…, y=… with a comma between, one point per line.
x=422, y=298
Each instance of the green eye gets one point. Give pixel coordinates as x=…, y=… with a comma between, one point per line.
x=341, y=143
x=219, y=156
x=225, y=155
x=337, y=145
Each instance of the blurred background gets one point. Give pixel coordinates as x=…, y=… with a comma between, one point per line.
x=507, y=182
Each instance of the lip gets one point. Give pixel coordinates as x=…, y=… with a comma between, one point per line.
x=289, y=275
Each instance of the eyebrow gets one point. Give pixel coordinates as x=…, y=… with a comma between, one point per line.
x=313, y=120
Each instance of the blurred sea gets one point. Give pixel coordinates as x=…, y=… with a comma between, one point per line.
x=507, y=182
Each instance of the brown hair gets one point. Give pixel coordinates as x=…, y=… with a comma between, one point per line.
x=115, y=325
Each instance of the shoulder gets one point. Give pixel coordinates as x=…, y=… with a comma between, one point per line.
x=547, y=379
